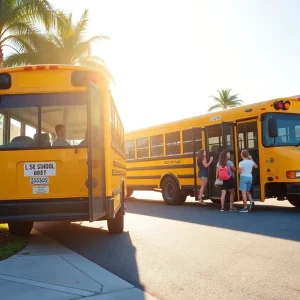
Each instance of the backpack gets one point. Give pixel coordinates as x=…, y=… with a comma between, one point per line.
x=224, y=173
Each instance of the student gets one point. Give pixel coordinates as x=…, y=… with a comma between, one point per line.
x=245, y=170
x=60, y=136
x=225, y=172
x=203, y=172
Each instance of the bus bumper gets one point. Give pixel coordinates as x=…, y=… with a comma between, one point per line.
x=75, y=209
x=293, y=189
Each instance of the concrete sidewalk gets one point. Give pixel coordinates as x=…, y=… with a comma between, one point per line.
x=47, y=270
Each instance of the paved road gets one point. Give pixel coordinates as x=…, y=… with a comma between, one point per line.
x=192, y=252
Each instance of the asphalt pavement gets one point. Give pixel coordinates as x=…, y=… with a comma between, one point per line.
x=194, y=252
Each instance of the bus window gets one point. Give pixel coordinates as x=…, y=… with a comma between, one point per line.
x=2, y=129
x=130, y=149
x=247, y=133
x=142, y=147
x=157, y=145
x=30, y=131
x=74, y=119
x=187, y=140
x=173, y=143
x=15, y=129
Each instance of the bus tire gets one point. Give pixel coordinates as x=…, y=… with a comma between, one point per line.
x=20, y=228
x=171, y=192
x=116, y=225
x=129, y=193
x=294, y=200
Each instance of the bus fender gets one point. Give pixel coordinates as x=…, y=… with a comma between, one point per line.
x=166, y=176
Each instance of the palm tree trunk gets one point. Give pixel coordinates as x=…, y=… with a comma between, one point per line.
x=1, y=57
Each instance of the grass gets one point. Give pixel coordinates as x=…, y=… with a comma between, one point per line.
x=10, y=244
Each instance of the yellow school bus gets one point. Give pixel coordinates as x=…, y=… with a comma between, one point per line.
x=162, y=157
x=62, y=149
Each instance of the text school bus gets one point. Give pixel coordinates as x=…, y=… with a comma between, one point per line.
x=162, y=157
x=62, y=154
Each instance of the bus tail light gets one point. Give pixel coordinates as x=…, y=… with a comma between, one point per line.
x=5, y=81
x=293, y=174
x=280, y=105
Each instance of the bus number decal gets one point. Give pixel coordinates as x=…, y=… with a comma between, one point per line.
x=40, y=169
x=172, y=162
x=216, y=118
x=39, y=180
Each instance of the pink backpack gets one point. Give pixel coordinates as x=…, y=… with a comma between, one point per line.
x=224, y=173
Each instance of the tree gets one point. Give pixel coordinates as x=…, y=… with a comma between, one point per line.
x=225, y=100
x=64, y=46
x=16, y=17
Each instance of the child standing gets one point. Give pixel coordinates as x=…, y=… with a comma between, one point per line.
x=245, y=170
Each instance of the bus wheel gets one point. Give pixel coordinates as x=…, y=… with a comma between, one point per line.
x=294, y=200
x=116, y=225
x=171, y=192
x=20, y=228
x=129, y=193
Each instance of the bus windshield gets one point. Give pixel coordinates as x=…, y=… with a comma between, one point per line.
x=288, y=130
x=29, y=121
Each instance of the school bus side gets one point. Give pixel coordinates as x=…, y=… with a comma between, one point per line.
x=38, y=98
x=162, y=157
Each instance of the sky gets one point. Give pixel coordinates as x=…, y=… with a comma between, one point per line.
x=168, y=56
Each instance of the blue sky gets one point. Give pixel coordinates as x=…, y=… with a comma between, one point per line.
x=168, y=56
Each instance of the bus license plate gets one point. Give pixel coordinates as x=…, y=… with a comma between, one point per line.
x=39, y=180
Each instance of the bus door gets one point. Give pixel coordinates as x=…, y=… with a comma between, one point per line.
x=247, y=140
x=96, y=157
x=198, y=138
x=218, y=138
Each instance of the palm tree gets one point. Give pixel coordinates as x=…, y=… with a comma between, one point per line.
x=64, y=46
x=225, y=100
x=16, y=17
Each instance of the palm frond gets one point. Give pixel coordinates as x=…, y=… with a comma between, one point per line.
x=214, y=107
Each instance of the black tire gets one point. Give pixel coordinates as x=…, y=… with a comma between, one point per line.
x=294, y=200
x=20, y=228
x=116, y=225
x=129, y=193
x=171, y=192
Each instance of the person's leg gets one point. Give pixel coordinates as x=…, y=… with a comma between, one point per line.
x=243, y=189
x=203, y=185
x=223, y=195
x=231, y=197
x=249, y=196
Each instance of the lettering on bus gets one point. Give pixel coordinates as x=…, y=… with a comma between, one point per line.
x=172, y=162
x=39, y=169
x=216, y=118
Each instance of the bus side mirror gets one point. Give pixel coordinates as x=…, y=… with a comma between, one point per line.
x=272, y=127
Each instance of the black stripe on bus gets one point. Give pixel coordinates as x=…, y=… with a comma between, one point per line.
x=144, y=177
x=175, y=166
x=177, y=156
x=185, y=176
x=116, y=172
x=142, y=187
x=116, y=164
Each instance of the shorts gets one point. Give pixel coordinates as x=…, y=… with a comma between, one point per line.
x=228, y=184
x=203, y=174
x=245, y=183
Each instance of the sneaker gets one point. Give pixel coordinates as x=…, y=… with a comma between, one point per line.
x=222, y=209
x=233, y=209
x=243, y=210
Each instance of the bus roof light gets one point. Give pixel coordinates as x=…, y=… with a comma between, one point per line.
x=5, y=81
x=278, y=105
x=28, y=68
x=81, y=78
x=53, y=67
x=40, y=67
x=286, y=105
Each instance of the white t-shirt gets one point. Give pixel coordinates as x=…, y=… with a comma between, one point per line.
x=247, y=166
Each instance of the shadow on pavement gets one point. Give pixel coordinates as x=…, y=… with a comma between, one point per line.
x=274, y=221
x=97, y=245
